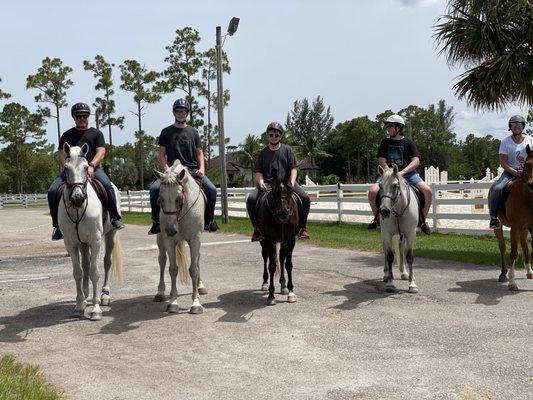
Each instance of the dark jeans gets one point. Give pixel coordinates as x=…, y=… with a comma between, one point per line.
x=496, y=193
x=251, y=202
x=100, y=175
x=211, y=192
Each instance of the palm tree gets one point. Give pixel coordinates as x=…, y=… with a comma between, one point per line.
x=493, y=39
x=249, y=152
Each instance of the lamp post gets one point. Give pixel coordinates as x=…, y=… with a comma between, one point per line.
x=232, y=28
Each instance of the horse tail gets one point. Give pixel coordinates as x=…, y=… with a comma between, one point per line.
x=278, y=268
x=116, y=258
x=183, y=264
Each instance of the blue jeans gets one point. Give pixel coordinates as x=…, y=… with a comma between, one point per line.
x=496, y=193
x=412, y=178
x=209, y=188
x=100, y=175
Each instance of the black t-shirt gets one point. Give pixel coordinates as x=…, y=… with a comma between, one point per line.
x=181, y=144
x=74, y=137
x=399, y=152
x=283, y=159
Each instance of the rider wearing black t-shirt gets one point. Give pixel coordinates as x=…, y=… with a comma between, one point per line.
x=280, y=157
x=78, y=136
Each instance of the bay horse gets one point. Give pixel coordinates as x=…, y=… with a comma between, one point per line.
x=279, y=218
x=398, y=209
x=81, y=220
x=517, y=214
x=182, y=220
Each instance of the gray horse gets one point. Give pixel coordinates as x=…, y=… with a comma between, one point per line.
x=398, y=209
x=182, y=220
x=80, y=220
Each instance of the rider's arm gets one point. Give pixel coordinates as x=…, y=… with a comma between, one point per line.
x=382, y=161
x=294, y=174
x=98, y=156
x=162, y=157
x=415, y=162
x=505, y=165
x=260, y=180
x=61, y=158
x=201, y=161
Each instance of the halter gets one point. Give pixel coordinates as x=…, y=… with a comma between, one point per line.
x=395, y=199
x=178, y=211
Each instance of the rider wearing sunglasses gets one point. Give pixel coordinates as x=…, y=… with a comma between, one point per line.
x=281, y=157
x=77, y=136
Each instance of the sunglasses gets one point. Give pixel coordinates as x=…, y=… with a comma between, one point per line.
x=81, y=116
x=274, y=135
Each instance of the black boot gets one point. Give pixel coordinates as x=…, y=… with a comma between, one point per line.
x=494, y=223
x=56, y=234
x=211, y=227
x=374, y=224
x=155, y=229
x=117, y=223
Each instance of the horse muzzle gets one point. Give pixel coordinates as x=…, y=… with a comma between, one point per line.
x=384, y=212
x=171, y=231
x=77, y=199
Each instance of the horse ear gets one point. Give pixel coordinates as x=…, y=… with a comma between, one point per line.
x=528, y=150
x=66, y=148
x=84, y=149
x=380, y=170
x=395, y=169
x=182, y=175
x=158, y=174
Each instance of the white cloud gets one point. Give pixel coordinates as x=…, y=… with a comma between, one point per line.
x=423, y=3
x=484, y=123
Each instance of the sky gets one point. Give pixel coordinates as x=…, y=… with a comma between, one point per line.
x=361, y=57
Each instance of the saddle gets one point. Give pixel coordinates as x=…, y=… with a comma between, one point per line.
x=505, y=194
x=261, y=202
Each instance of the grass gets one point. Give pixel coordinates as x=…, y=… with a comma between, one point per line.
x=481, y=250
x=19, y=381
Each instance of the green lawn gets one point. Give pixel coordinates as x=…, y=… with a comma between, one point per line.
x=472, y=249
x=18, y=381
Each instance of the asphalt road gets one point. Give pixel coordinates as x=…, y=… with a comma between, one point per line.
x=464, y=336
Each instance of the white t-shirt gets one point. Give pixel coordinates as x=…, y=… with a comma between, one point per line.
x=516, y=153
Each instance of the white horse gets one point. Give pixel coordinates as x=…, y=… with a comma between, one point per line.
x=398, y=210
x=80, y=220
x=182, y=220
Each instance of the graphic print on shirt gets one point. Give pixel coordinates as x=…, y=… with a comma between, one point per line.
x=395, y=156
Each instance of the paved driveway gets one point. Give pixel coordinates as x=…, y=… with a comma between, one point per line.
x=464, y=336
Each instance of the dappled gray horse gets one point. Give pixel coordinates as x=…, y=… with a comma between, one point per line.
x=182, y=220
x=398, y=211
x=80, y=219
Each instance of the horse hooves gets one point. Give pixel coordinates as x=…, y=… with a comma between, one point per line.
x=284, y=291
x=405, y=277
x=529, y=276
x=196, y=310
x=105, y=300
x=413, y=289
x=513, y=287
x=173, y=308
x=503, y=278
x=264, y=287
x=159, y=298
x=202, y=291
x=291, y=298
x=271, y=301
x=96, y=316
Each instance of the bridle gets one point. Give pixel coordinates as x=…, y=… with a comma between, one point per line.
x=394, y=200
x=275, y=211
x=71, y=187
x=179, y=209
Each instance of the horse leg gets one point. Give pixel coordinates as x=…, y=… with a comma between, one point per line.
x=96, y=313
x=81, y=303
x=388, y=277
x=282, y=260
x=105, y=297
x=194, y=271
x=501, y=245
x=401, y=256
x=86, y=267
x=291, y=298
x=173, y=270
x=162, y=258
x=264, y=253
x=527, y=265
x=514, y=253
x=271, y=300
x=409, y=244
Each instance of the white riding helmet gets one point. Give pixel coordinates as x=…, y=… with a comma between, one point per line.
x=395, y=119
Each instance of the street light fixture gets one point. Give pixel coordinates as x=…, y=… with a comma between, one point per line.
x=232, y=28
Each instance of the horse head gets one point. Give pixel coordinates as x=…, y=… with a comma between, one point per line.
x=172, y=195
x=76, y=173
x=390, y=189
x=280, y=202
x=527, y=173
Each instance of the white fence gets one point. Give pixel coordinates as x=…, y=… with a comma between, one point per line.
x=455, y=208
x=24, y=200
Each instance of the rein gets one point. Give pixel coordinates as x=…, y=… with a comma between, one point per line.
x=275, y=214
x=395, y=199
x=83, y=186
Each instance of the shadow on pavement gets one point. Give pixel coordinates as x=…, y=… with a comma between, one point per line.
x=240, y=305
x=490, y=292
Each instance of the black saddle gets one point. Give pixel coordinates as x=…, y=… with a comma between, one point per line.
x=419, y=196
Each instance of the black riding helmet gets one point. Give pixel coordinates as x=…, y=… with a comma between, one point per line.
x=275, y=126
x=80, y=108
x=181, y=103
x=517, y=118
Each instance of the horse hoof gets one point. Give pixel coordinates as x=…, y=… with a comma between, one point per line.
x=173, y=308
x=503, y=278
x=271, y=302
x=202, y=291
x=159, y=298
x=413, y=289
x=405, y=277
x=105, y=300
x=77, y=313
x=284, y=291
x=513, y=287
x=385, y=278
x=196, y=310
x=291, y=298
x=529, y=275
x=264, y=287
x=96, y=316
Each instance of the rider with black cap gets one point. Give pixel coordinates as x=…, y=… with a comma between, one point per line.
x=512, y=155
x=280, y=157
x=180, y=141
x=77, y=136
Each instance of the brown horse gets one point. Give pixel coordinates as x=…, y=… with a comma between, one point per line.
x=278, y=216
x=517, y=214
